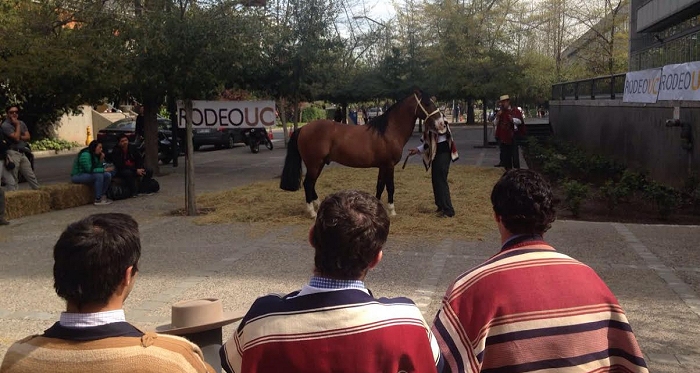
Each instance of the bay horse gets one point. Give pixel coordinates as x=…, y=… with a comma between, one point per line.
x=378, y=144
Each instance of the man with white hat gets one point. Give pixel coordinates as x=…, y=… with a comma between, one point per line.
x=335, y=324
x=95, y=267
x=509, y=126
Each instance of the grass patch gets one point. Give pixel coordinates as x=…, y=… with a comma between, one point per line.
x=266, y=204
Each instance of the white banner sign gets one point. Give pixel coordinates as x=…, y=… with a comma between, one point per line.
x=228, y=114
x=680, y=82
x=642, y=86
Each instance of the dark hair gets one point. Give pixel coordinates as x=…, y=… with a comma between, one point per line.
x=523, y=199
x=91, y=256
x=92, y=146
x=121, y=137
x=350, y=230
x=7, y=109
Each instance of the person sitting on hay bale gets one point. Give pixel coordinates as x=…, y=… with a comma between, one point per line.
x=130, y=167
x=335, y=324
x=88, y=168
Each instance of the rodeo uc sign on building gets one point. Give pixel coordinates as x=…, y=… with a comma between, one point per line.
x=680, y=82
x=228, y=114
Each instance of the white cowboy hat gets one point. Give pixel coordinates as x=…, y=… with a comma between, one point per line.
x=197, y=315
x=503, y=98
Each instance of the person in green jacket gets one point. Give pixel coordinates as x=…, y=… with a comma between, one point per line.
x=88, y=168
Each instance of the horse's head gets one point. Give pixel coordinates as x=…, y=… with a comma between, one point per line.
x=429, y=113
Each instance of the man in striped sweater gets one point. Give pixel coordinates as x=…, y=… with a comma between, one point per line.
x=95, y=267
x=530, y=308
x=334, y=324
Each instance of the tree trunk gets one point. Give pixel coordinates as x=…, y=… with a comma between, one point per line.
x=296, y=112
x=282, y=107
x=191, y=201
x=470, y=111
x=150, y=135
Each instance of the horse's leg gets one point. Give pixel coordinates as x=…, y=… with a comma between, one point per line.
x=389, y=176
x=380, y=183
x=315, y=200
x=312, y=174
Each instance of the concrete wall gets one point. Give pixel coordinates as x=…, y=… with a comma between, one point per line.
x=73, y=127
x=634, y=134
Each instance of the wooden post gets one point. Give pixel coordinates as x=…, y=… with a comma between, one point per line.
x=483, y=106
x=189, y=168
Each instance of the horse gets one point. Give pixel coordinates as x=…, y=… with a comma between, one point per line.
x=378, y=144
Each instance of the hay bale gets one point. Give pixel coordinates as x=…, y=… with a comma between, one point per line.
x=69, y=195
x=26, y=202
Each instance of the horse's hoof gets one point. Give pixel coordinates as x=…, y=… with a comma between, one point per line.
x=392, y=210
x=316, y=203
x=312, y=211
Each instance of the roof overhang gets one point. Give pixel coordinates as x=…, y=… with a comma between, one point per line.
x=659, y=14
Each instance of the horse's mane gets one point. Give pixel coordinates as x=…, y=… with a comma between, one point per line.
x=381, y=123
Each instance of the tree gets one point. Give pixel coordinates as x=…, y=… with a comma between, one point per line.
x=55, y=57
x=185, y=50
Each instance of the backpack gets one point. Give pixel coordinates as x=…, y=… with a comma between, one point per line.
x=117, y=191
x=149, y=186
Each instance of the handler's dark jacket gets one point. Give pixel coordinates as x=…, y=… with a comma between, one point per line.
x=132, y=160
x=505, y=129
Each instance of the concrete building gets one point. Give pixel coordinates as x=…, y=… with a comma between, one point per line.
x=664, y=32
x=592, y=114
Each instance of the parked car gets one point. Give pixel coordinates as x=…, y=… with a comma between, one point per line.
x=219, y=137
x=109, y=136
x=374, y=112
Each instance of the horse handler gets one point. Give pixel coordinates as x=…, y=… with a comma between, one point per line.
x=438, y=149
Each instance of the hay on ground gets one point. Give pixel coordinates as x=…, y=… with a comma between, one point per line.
x=266, y=204
x=26, y=202
x=69, y=195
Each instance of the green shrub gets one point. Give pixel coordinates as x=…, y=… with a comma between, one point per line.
x=634, y=181
x=53, y=144
x=576, y=193
x=615, y=193
x=554, y=168
x=666, y=199
x=312, y=113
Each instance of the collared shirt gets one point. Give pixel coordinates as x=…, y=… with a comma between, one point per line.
x=86, y=320
x=319, y=284
x=519, y=237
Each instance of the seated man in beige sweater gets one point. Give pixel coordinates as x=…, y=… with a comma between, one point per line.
x=96, y=262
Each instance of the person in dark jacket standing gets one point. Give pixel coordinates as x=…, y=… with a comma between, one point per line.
x=509, y=125
x=129, y=165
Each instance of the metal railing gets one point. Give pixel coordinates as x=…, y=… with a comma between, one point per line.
x=600, y=88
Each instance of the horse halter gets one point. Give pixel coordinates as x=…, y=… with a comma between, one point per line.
x=437, y=111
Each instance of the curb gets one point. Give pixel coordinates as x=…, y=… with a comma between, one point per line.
x=53, y=153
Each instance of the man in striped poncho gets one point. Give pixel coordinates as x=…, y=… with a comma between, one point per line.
x=334, y=324
x=530, y=308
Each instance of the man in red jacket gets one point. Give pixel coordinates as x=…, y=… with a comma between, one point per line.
x=509, y=124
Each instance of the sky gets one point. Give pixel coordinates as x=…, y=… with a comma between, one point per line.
x=383, y=9
x=380, y=10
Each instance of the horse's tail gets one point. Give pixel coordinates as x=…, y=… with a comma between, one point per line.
x=291, y=173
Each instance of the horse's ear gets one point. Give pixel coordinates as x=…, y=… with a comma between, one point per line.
x=417, y=92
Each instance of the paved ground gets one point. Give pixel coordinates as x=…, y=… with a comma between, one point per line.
x=654, y=270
